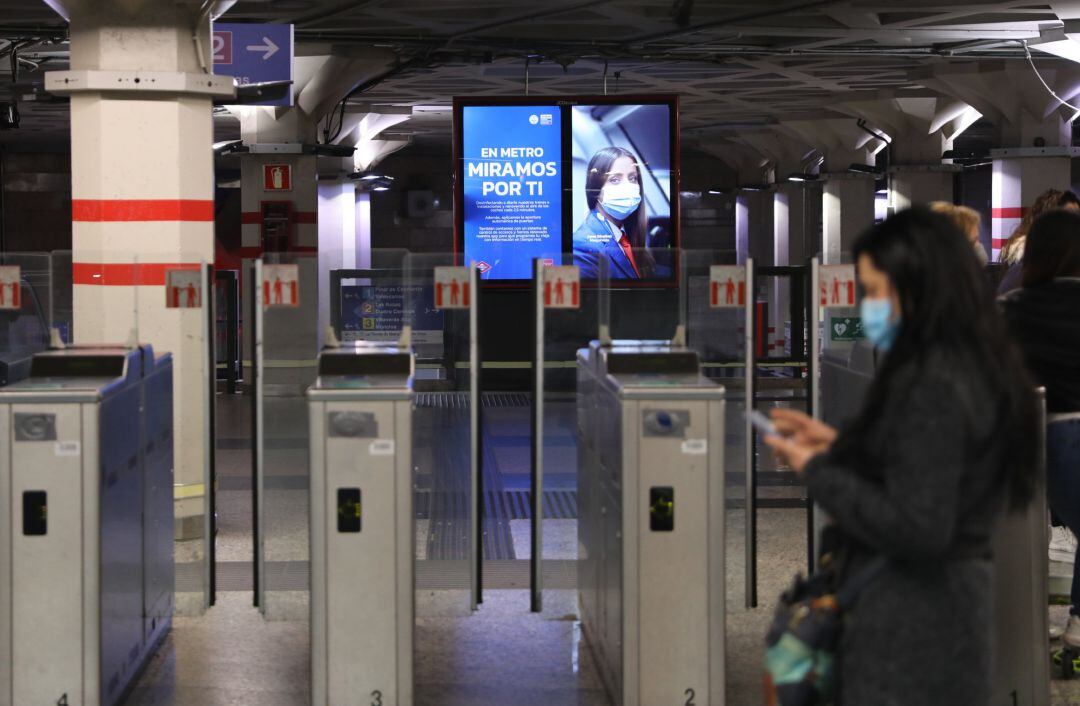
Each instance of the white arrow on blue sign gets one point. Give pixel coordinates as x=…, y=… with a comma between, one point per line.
x=254, y=53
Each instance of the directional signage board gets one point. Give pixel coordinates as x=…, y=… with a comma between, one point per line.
x=837, y=285
x=727, y=286
x=380, y=312
x=254, y=53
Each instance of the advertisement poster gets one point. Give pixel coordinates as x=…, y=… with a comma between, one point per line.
x=622, y=191
x=512, y=188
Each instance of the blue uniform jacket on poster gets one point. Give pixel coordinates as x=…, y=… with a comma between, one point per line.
x=593, y=241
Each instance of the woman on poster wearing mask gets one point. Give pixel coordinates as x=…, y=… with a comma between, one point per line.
x=615, y=229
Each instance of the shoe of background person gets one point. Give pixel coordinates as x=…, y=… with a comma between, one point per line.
x=1062, y=545
x=1056, y=633
x=1072, y=632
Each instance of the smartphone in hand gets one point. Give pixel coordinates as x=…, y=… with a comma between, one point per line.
x=762, y=423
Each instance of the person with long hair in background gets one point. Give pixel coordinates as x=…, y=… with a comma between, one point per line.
x=1013, y=252
x=615, y=230
x=945, y=440
x=1044, y=317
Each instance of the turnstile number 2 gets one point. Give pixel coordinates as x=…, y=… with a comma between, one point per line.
x=35, y=509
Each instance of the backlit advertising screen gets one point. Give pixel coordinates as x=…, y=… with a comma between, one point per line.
x=587, y=181
x=512, y=187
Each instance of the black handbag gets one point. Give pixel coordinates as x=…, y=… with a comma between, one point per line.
x=802, y=643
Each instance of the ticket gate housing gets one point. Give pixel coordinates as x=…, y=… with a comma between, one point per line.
x=86, y=537
x=362, y=536
x=651, y=527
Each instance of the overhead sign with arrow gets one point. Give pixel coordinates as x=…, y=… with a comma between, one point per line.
x=254, y=53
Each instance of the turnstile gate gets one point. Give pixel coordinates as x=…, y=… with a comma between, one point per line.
x=362, y=544
x=651, y=527
x=86, y=499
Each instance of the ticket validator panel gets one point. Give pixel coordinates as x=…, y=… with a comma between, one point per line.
x=85, y=584
x=652, y=527
x=362, y=526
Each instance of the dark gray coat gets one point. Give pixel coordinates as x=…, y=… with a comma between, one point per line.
x=923, y=494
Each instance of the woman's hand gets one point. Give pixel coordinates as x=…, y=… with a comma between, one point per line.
x=803, y=430
x=793, y=453
x=801, y=438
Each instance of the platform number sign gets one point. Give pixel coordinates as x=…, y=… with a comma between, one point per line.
x=727, y=286
x=183, y=289
x=10, y=290
x=281, y=286
x=837, y=285
x=452, y=288
x=562, y=287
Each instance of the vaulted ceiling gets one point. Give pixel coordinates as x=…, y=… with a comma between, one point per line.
x=734, y=63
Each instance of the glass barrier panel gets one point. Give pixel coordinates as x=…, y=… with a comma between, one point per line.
x=25, y=303
x=171, y=315
x=61, y=294
x=440, y=304
x=715, y=319
x=569, y=312
x=291, y=340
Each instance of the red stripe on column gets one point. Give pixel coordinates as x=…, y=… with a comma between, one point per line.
x=999, y=242
x=125, y=274
x=1012, y=212
x=109, y=210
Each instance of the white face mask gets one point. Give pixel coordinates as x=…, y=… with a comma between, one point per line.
x=620, y=200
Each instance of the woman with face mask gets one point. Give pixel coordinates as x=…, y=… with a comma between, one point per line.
x=614, y=231
x=945, y=440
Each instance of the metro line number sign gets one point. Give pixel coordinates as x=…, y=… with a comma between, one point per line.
x=254, y=53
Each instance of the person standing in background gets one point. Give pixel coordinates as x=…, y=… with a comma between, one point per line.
x=967, y=221
x=1013, y=252
x=1044, y=317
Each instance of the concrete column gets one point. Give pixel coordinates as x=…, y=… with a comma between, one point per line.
x=847, y=210
x=363, y=229
x=753, y=226
x=301, y=203
x=796, y=209
x=1018, y=181
x=143, y=195
x=337, y=236
x=912, y=185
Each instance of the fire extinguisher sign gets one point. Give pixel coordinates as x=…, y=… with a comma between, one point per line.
x=277, y=177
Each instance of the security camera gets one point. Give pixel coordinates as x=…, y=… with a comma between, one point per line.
x=9, y=116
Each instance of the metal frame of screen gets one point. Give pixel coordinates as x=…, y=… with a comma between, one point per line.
x=565, y=104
